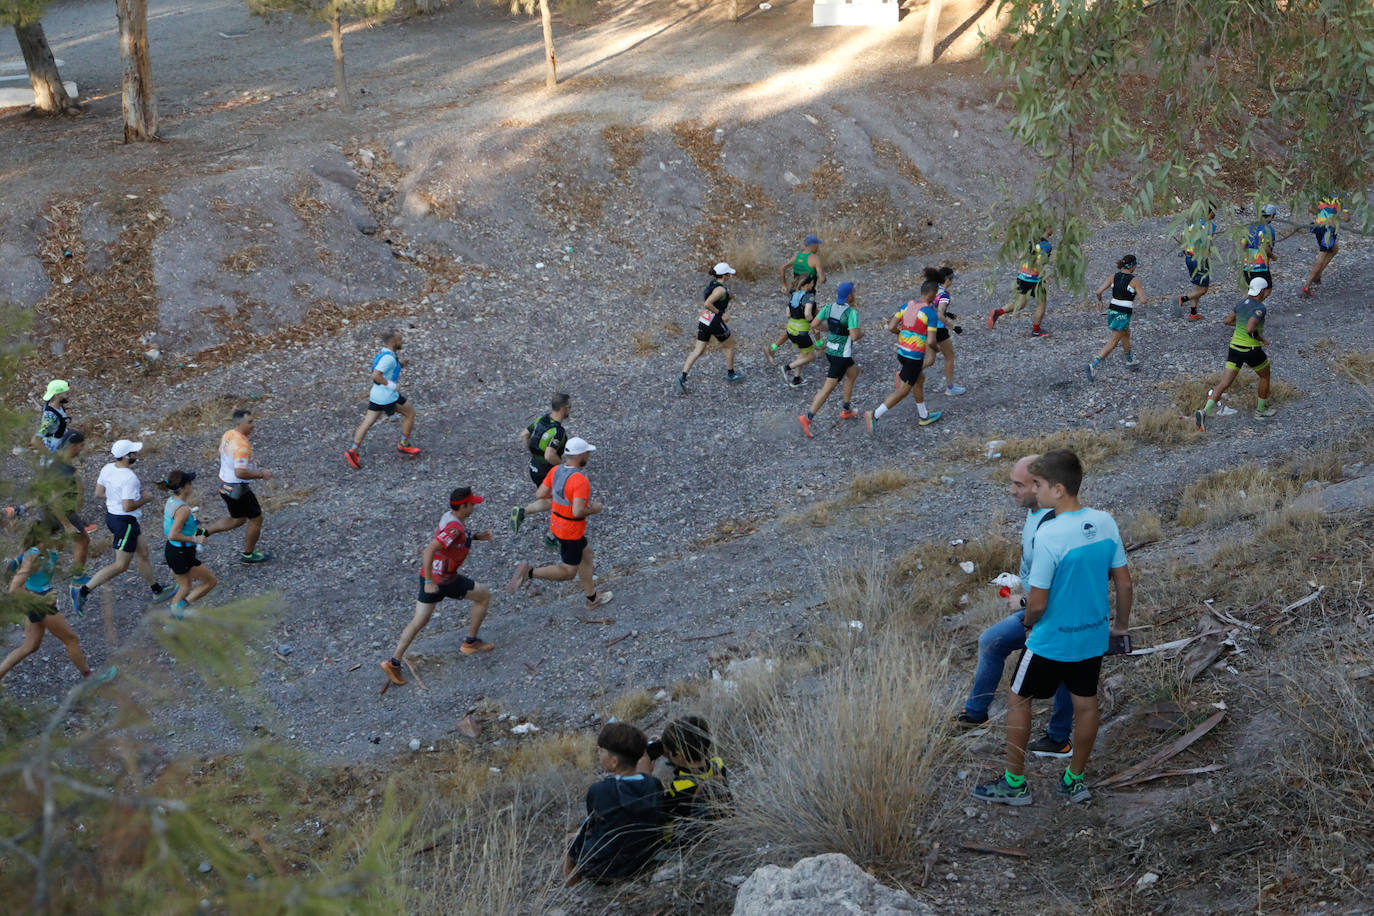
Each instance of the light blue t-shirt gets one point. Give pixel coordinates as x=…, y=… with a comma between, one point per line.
x=1073, y=557
x=389, y=366
x=1033, y=521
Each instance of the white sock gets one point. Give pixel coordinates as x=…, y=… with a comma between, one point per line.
x=921, y=410
x=879, y=411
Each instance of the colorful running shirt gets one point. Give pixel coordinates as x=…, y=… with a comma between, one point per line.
x=120, y=484
x=454, y=542
x=840, y=319
x=1034, y=519
x=1073, y=557
x=1328, y=213
x=1039, y=254
x=389, y=366
x=801, y=265
x=1242, y=339
x=915, y=321
x=52, y=426
x=169, y=522
x=941, y=302
x=1258, y=241
x=235, y=454
x=1197, y=237
x=707, y=316
x=39, y=581
x=545, y=432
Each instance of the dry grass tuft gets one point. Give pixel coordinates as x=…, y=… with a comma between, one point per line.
x=203, y=416
x=1188, y=394
x=313, y=212
x=1094, y=448
x=245, y=260
x=1359, y=366
x=1159, y=426
x=632, y=706
x=875, y=483
x=1142, y=527
x=746, y=248
x=1240, y=492
x=644, y=343
x=816, y=515
x=626, y=147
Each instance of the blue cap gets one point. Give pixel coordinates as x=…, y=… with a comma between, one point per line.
x=812, y=240
x=843, y=290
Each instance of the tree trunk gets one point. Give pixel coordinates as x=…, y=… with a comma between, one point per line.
x=925, y=53
x=340, y=77
x=49, y=97
x=550, y=62
x=734, y=10
x=140, y=108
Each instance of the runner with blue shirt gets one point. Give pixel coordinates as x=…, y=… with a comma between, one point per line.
x=1030, y=281
x=385, y=400
x=31, y=575
x=184, y=538
x=1069, y=623
x=1197, y=258
x=914, y=324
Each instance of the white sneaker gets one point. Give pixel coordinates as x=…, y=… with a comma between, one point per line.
x=1224, y=411
x=1266, y=413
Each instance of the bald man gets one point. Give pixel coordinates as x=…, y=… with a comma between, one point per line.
x=1009, y=635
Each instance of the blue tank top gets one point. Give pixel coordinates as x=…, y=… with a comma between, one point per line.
x=39, y=581
x=169, y=510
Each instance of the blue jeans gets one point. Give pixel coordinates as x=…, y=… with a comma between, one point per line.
x=997, y=642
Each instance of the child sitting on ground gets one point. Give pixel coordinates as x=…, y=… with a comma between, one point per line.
x=698, y=786
x=624, y=823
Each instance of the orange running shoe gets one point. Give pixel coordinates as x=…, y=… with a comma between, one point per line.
x=393, y=672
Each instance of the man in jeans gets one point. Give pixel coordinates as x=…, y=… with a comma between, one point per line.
x=1009, y=635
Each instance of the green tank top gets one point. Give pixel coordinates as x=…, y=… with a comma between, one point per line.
x=801, y=264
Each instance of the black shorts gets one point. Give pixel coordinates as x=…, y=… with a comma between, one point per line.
x=125, y=529
x=911, y=370
x=76, y=521
x=1258, y=274
x=570, y=552
x=839, y=365
x=1326, y=238
x=1200, y=272
x=716, y=329
x=537, y=474
x=941, y=335
x=180, y=560
x=1038, y=677
x=1255, y=358
x=457, y=589
x=240, y=500
x=387, y=409
x=802, y=341
x=37, y=615
x=1026, y=286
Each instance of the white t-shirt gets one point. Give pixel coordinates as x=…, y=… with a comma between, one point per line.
x=120, y=484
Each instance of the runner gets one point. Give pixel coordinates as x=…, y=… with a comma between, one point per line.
x=385, y=400
x=1247, y=349
x=841, y=322
x=806, y=274
x=440, y=561
x=1127, y=293
x=912, y=324
x=124, y=501
x=1001, y=639
x=545, y=438
x=52, y=422
x=1068, y=616
x=571, y=495
x=184, y=535
x=1197, y=258
x=31, y=575
x=944, y=346
x=1258, y=251
x=1029, y=282
x=801, y=311
x=236, y=468
x=1325, y=224
x=70, y=499
x=711, y=323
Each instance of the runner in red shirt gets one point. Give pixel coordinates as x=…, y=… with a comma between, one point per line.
x=440, y=579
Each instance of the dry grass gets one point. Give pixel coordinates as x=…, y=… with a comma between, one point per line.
x=1188, y=394
x=245, y=260
x=746, y=248
x=313, y=212
x=875, y=483
x=632, y=706
x=867, y=230
x=1160, y=426
x=644, y=343
x=1359, y=366
x=1145, y=525
x=277, y=501
x=211, y=414
x=1233, y=493
x=816, y=515
x=1094, y=448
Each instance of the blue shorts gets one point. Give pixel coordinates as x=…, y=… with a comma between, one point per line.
x=1200, y=272
x=1326, y=238
x=1118, y=319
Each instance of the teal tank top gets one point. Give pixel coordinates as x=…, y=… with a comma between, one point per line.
x=169, y=510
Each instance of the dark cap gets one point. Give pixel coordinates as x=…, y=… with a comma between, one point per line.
x=462, y=496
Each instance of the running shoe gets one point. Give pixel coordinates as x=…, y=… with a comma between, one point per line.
x=164, y=595
x=955, y=390
x=106, y=676
x=796, y=381
x=601, y=598
x=472, y=647
x=964, y=720
x=998, y=791
x=1092, y=371
x=1036, y=332
x=806, y=425
x=848, y=414
x=1076, y=791
x=517, y=518
x=1266, y=413
x=521, y=576
x=179, y=610
x=681, y=385
x=992, y=318
x=1194, y=316
x=393, y=672
x=869, y=420
x=405, y=448
x=550, y=541
x=1200, y=420
x=1045, y=746
x=354, y=460
x=1224, y=411
x=1132, y=363
x=78, y=599
x=735, y=375
x=934, y=416
x=257, y=556
x=1307, y=292
x=786, y=374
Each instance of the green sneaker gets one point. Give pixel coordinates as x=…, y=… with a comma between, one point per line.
x=1003, y=794
x=257, y=556
x=517, y=518
x=934, y=417
x=1076, y=791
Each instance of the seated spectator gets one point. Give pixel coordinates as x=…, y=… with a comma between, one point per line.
x=698, y=785
x=624, y=823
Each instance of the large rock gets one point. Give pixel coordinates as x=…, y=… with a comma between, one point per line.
x=828, y=885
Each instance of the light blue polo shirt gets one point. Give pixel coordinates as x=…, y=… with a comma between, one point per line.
x=1033, y=518
x=389, y=366
x=1073, y=557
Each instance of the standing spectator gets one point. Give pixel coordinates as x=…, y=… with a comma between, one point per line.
x=236, y=468
x=624, y=823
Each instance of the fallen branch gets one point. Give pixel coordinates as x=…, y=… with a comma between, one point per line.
x=1302, y=602
x=1163, y=754
x=996, y=850
x=1164, y=774
x=929, y=862
x=604, y=621
x=620, y=638
x=710, y=636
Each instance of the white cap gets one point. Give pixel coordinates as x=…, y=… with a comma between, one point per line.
x=1258, y=285
x=1270, y=210
x=722, y=268
x=123, y=447
x=578, y=446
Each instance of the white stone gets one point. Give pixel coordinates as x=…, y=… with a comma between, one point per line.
x=821, y=886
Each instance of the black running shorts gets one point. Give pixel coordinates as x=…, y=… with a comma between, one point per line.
x=839, y=365
x=387, y=409
x=180, y=560
x=570, y=552
x=240, y=500
x=1038, y=677
x=716, y=329
x=457, y=589
x=911, y=370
